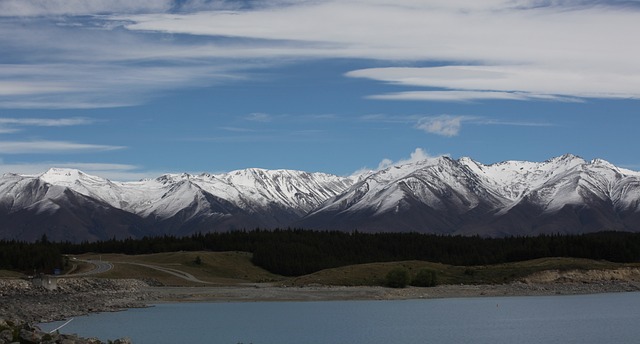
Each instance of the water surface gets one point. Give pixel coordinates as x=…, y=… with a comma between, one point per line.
x=602, y=318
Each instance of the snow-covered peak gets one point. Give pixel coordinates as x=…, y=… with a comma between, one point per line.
x=567, y=158
x=68, y=177
x=170, y=178
x=601, y=164
x=396, y=172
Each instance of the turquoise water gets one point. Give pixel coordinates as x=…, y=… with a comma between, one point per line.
x=603, y=318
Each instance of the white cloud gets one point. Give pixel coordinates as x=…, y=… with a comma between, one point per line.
x=47, y=122
x=445, y=125
x=91, y=85
x=7, y=125
x=547, y=50
x=385, y=118
x=259, y=117
x=465, y=96
x=463, y=83
x=46, y=146
x=450, y=125
x=26, y=8
x=239, y=130
x=511, y=49
x=419, y=154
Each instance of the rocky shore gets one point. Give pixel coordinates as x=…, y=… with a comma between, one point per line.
x=24, y=302
x=18, y=331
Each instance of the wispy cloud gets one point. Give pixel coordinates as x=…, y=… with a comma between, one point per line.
x=497, y=49
x=46, y=146
x=444, y=125
x=28, y=8
x=547, y=50
x=259, y=117
x=47, y=122
x=11, y=125
x=450, y=125
x=469, y=83
x=468, y=96
x=239, y=130
x=386, y=118
x=419, y=154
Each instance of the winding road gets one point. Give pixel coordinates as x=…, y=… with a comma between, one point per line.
x=174, y=272
x=99, y=266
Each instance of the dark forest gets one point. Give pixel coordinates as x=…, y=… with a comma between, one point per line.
x=295, y=252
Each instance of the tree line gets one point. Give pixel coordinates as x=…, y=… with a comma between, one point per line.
x=41, y=256
x=294, y=252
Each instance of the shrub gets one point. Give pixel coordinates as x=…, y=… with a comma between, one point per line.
x=397, y=278
x=425, y=278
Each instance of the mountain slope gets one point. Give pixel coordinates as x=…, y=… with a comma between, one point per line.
x=562, y=195
x=439, y=195
x=177, y=204
x=30, y=207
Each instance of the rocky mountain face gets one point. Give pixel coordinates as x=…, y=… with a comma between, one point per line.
x=68, y=204
x=440, y=195
x=562, y=195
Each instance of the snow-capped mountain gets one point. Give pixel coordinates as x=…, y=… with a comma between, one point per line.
x=563, y=195
x=177, y=204
x=438, y=195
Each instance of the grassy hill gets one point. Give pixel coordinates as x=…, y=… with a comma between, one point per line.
x=223, y=268
x=229, y=268
x=374, y=273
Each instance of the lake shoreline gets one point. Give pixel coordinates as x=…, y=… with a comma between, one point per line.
x=81, y=296
x=266, y=293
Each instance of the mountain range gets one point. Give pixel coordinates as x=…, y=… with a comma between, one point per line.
x=440, y=195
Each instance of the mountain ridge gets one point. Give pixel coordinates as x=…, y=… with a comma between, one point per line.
x=565, y=194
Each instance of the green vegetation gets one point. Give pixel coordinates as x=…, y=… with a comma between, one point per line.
x=425, y=278
x=374, y=274
x=41, y=256
x=397, y=278
x=296, y=252
x=219, y=268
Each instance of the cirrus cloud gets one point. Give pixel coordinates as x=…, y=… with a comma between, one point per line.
x=450, y=125
x=48, y=146
x=497, y=49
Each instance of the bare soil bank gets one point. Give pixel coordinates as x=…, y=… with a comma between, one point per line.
x=335, y=293
x=551, y=282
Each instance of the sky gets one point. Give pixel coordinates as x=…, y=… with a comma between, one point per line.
x=133, y=89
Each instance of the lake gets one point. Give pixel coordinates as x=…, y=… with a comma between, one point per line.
x=601, y=318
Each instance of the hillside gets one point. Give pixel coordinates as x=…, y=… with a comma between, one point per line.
x=436, y=195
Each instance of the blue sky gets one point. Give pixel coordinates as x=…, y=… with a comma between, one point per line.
x=133, y=89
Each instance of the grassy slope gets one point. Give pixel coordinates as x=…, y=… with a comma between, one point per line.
x=374, y=273
x=216, y=267
x=227, y=268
